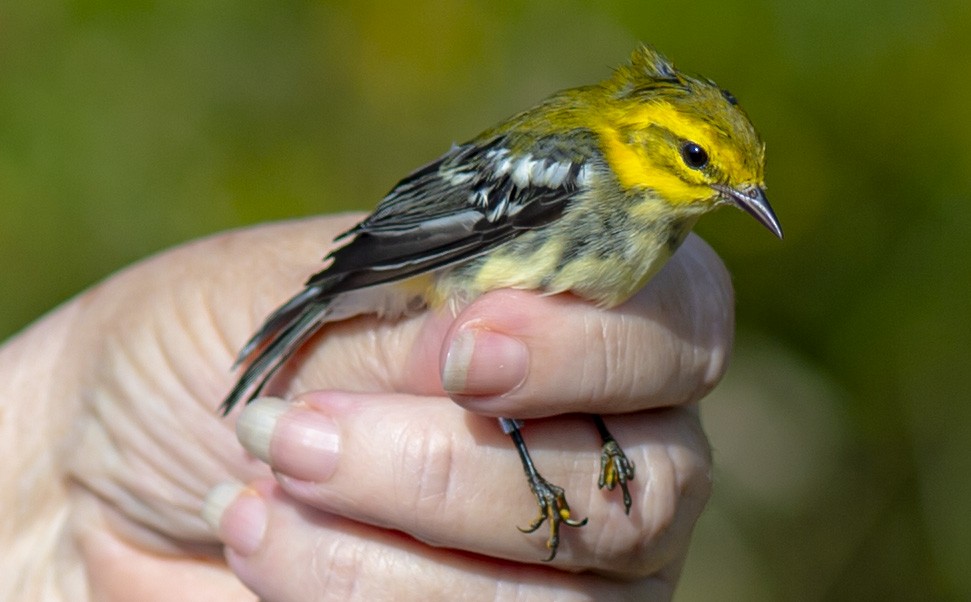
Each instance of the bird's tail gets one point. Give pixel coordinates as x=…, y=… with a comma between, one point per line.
x=283, y=332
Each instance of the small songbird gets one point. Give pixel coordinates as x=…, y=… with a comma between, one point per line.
x=590, y=191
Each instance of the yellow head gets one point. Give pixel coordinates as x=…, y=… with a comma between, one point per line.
x=682, y=138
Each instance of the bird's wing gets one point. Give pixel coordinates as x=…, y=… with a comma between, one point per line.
x=468, y=201
x=473, y=198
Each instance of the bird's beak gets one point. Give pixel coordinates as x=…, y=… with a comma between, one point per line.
x=752, y=200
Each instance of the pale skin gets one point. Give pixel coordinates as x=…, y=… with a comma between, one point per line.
x=111, y=441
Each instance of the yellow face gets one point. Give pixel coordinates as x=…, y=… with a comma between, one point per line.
x=679, y=143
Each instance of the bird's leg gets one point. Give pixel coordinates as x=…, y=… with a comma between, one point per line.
x=550, y=498
x=615, y=468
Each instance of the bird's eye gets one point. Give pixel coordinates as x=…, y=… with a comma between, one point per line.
x=694, y=156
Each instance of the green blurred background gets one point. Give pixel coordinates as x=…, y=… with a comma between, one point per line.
x=842, y=431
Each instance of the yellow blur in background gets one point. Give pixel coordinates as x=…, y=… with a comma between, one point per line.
x=842, y=433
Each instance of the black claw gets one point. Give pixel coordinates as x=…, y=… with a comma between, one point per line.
x=615, y=469
x=550, y=498
x=554, y=508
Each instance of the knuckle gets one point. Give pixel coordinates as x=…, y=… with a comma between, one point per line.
x=425, y=474
x=339, y=564
x=599, y=359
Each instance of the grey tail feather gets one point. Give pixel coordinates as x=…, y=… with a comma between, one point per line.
x=283, y=333
x=279, y=320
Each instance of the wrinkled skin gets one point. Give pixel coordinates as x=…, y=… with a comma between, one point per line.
x=111, y=440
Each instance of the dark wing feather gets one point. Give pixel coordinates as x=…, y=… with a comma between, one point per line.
x=451, y=210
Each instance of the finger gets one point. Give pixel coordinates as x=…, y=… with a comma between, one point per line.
x=149, y=573
x=289, y=552
x=515, y=353
x=508, y=352
x=424, y=467
x=181, y=316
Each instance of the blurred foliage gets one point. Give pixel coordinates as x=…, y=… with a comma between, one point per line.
x=841, y=433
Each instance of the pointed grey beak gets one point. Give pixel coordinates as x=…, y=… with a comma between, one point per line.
x=752, y=201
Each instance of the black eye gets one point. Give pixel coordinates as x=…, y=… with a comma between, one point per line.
x=694, y=156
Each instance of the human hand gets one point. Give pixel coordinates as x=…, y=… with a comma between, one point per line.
x=141, y=362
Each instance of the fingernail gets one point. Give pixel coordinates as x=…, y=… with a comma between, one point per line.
x=257, y=423
x=483, y=362
x=238, y=515
x=305, y=442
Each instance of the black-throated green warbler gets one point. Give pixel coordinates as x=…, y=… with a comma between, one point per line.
x=590, y=191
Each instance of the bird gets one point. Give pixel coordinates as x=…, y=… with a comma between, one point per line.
x=588, y=192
